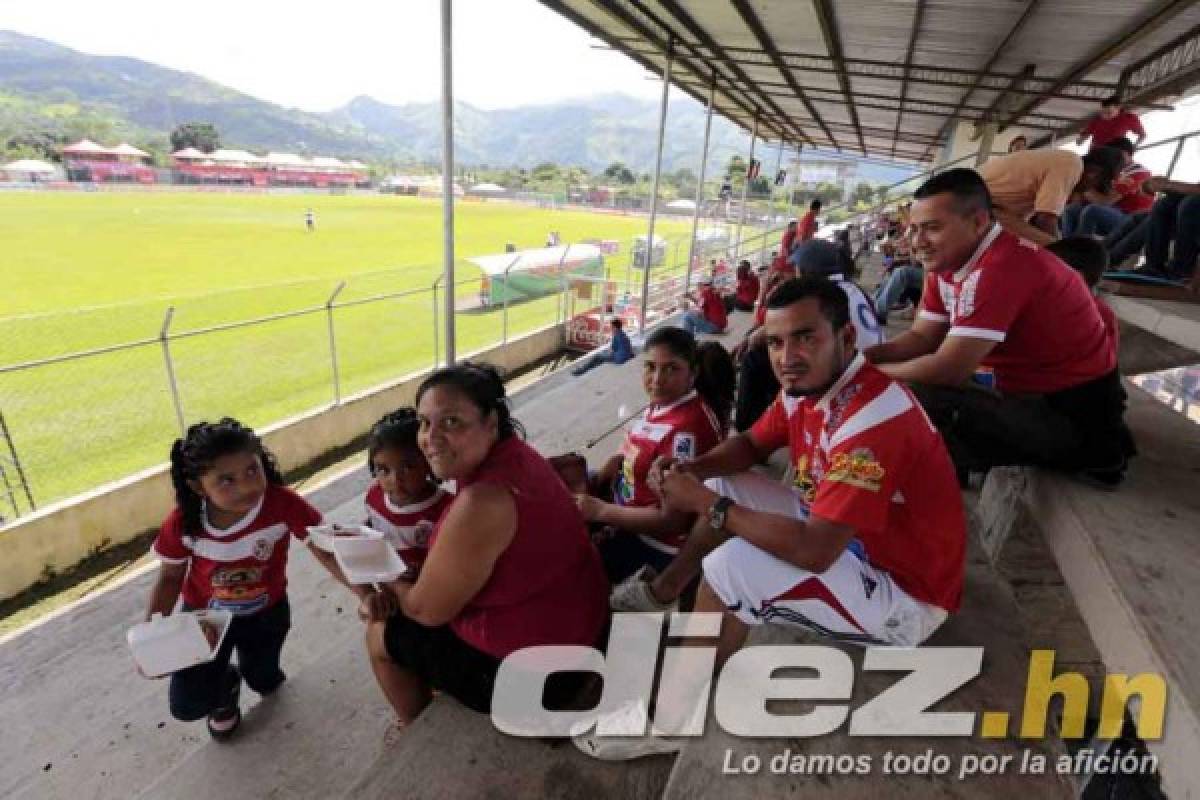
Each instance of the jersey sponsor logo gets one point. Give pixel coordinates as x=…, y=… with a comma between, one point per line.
x=241, y=606
x=650, y=430
x=263, y=547
x=857, y=468
x=422, y=532
x=804, y=482
x=684, y=447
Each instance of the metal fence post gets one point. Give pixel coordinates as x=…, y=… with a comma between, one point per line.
x=562, y=289
x=164, y=338
x=333, y=358
x=507, y=293
x=16, y=461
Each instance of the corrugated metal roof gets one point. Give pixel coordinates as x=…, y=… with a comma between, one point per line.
x=838, y=73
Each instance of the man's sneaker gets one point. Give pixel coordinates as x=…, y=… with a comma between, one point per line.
x=631, y=716
x=633, y=593
x=223, y=721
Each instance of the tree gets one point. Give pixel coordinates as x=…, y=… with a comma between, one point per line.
x=863, y=194
x=619, y=173
x=201, y=135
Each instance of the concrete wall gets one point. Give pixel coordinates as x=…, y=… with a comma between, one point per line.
x=61, y=535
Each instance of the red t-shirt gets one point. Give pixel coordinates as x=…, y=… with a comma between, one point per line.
x=747, y=289
x=807, y=228
x=1037, y=309
x=1104, y=131
x=686, y=429
x=713, y=307
x=548, y=587
x=866, y=456
x=243, y=568
x=1129, y=184
x=406, y=528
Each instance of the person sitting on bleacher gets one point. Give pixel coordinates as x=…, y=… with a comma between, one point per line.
x=510, y=564
x=1172, y=230
x=690, y=387
x=1008, y=354
x=867, y=545
x=711, y=316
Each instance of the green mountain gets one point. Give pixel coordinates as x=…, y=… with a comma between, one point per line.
x=48, y=91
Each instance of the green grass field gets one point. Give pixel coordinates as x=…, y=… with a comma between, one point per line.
x=88, y=270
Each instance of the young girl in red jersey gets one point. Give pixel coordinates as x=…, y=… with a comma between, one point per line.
x=404, y=502
x=225, y=546
x=690, y=386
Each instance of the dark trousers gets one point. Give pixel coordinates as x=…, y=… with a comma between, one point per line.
x=1175, y=218
x=1081, y=428
x=757, y=387
x=258, y=638
x=1127, y=239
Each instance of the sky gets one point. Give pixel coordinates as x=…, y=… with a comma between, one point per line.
x=318, y=55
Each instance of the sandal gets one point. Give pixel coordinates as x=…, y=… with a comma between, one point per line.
x=223, y=721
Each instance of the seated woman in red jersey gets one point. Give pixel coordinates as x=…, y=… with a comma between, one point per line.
x=510, y=564
x=691, y=392
x=747, y=288
x=404, y=501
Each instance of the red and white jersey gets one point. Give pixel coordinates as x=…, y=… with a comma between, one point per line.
x=1129, y=184
x=866, y=456
x=242, y=568
x=1038, y=310
x=406, y=528
x=685, y=429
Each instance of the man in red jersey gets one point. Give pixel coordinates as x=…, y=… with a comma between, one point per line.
x=1008, y=354
x=1113, y=122
x=866, y=545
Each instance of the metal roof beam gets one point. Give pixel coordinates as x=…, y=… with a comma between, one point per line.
x=1026, y=13
x=751, y=20
x=1006, y=96
x=833, y=44
x=1162, y=14
x=918, y=15
x=687, y=21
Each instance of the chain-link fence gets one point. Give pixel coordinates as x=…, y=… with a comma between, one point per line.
x=78, y=416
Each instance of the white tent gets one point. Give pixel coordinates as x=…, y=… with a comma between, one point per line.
x=189, y=154
x=29, y=169
x=487, y=188
x=126, y=149
x=541, y=257
x=682, y=204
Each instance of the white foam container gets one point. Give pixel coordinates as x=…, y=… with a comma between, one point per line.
x=168, y=644
x=367, y=560
x=323, y=536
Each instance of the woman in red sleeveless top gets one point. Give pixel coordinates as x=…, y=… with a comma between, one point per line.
x=510, y=565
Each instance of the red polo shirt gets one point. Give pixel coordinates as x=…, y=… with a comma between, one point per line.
x=1104, y=131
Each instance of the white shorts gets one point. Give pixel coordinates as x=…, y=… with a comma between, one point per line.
x=851, y=601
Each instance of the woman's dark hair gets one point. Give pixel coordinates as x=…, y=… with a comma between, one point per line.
x=483, y=386
x=194, y=454
x=715, y=372
x=393, y=431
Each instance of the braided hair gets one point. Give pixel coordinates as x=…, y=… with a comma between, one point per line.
x=195, y=453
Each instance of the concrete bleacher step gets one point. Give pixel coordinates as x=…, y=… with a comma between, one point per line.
x=312, y=738
x=1130, y=559
x=452, y=752
x=112, y=732
x=988, y=618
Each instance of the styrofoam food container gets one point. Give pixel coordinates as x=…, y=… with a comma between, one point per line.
x=367, y=560
x=323, y=536
x=168, y=644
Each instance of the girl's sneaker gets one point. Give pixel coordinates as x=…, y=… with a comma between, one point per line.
x=223, y=721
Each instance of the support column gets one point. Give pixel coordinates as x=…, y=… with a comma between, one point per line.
x=448, y=174
x=662, y=130
x=987, y=135
x=712, y=92
x=745, y=190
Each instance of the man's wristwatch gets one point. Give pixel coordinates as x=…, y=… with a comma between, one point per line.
x=717, y=512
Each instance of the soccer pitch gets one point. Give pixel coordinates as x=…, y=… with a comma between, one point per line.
x=92, y=269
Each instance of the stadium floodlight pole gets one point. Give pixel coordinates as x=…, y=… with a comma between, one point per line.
x=775, y=177
x=448, y=174
x=712, y=93
x=662, y=130
x=737, y=253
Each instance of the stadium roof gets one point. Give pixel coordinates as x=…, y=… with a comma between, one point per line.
x=126, y=149
x=889, y=78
